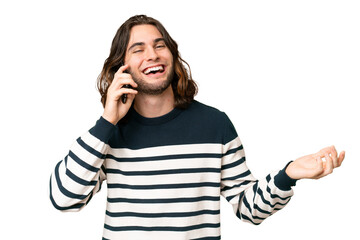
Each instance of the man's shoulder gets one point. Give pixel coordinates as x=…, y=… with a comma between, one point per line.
x=207, y=123
x=201, y=108
x=205, y=113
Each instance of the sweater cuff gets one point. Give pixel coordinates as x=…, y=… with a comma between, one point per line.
x=103, y=130
x=283, y=181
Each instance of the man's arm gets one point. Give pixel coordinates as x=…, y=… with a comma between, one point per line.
x=79, y=175
x=252, y=200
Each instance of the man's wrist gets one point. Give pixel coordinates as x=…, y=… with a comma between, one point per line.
x=109, y=119
x=283, y=181
x=103, y=129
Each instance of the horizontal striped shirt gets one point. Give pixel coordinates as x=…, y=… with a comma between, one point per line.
x=165, y=176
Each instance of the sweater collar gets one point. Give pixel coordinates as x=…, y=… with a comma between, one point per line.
x=156, y=120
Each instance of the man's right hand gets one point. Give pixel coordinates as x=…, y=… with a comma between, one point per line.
x=114, y=108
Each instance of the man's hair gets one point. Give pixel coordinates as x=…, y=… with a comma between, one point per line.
x=184, y=87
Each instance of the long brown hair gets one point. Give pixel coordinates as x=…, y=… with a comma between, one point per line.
x=184, y=87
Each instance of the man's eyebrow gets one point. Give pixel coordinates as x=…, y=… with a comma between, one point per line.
x=159, y=40
x=136, y=44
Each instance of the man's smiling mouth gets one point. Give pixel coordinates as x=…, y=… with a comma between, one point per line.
x=153, y=70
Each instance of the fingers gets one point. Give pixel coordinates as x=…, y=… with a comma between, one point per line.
x=332, y=160
x=319, y=169
x=331, y=151
x=122, y=68
x=119, y=92
x=329, y=165
x=341, y=157
x=122, y=78
x=334, y=156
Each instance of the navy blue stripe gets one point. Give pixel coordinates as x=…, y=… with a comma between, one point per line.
x=64, y=190
x=162, y=228
x=238, y=207
x=163, y=214
x=65, y=160
x=163, y=200
x=208, y=238
x=164, y=186
x=162, y=172
x=268, y=178
x=166, y=157
x=228, y=198
x=235, y=186
x=90, y=197
x=233, y=164
x=75, y=206
x=82, y=163
x=260, y=192
x=90, y=149
x=255, y=186
x=234, y=150
x=241, y=175
x=247, y=205
x=99, y=180
x=103, y=169
x=275, y=195
x=79, y=180
x=261, y=210
x=243, y=216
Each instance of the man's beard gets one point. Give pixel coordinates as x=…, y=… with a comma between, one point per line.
x=152, y=89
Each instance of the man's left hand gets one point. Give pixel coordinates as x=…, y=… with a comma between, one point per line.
x=313, y=166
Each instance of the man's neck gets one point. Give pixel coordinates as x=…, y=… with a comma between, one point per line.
x=151, y=106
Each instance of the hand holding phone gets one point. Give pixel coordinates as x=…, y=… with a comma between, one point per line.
x=120, y=95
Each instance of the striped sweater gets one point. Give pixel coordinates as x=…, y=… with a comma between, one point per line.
x=165, y=176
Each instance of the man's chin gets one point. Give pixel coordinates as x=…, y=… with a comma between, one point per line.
x=152, y=88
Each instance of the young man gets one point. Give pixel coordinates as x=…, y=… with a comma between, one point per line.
x=166, y=157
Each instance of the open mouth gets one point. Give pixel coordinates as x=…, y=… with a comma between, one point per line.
x=154, y=70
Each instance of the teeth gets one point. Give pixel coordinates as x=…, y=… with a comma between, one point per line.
x=157, y=68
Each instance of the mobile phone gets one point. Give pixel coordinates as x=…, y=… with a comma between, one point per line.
x=124, y=96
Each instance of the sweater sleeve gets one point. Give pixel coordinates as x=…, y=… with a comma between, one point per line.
x=80, y=174
x=252, y=200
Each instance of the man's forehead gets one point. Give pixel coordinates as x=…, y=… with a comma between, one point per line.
x=144, y=33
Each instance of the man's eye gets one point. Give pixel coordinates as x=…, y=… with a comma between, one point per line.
x=160, y=46
x=137, y=51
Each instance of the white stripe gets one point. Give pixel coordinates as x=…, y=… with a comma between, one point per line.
x=236, y=142
x=165, y=164
x=94, y=142
x=160, y=222
x=167, y=150
x=163, y=208
x=73, y=186
x=164, y=179
x=163, y=193
x=139, y=235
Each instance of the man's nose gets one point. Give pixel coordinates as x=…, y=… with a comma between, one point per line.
x=151, y=54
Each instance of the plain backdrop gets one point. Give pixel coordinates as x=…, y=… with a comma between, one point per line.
x=285, y=72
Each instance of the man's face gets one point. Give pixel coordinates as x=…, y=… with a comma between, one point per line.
x=149, y=59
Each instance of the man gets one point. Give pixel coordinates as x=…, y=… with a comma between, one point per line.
x=166, y=157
